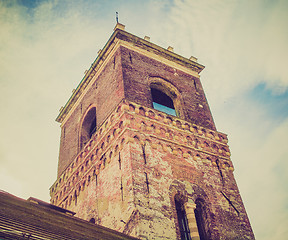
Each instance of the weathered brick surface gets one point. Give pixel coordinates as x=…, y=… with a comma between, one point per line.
x=139, y=71
x=139, y=160
x=176, y=156
x=129, y=74
x=105, y=94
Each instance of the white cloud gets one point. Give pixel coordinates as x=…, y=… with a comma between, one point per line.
x=259, y=155
x=241, y=43
x=264, y=161
x=43, y=57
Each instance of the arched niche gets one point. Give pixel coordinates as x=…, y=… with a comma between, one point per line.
x=88, y=126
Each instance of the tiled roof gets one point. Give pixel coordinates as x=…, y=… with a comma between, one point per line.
x=34, y=219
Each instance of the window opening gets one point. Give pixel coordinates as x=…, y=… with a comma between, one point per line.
x=88, y=127
x=182, y=221
x=199, y=215
x=92, y=127
x=162, y=102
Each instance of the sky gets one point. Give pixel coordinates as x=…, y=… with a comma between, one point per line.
x=46, y=46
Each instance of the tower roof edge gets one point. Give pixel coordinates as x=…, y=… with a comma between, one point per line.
x=120, y=35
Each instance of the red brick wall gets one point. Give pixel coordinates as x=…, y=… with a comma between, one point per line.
x=161, y=156
x=137, y=69
x=175, y=157
x=105, y=94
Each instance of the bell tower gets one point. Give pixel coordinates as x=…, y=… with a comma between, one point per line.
x=139, y=150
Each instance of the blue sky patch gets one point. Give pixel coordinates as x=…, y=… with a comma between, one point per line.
x=276, y=105
x=30, y=3
x=163, y=108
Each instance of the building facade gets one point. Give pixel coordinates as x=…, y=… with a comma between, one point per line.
x=139, y=150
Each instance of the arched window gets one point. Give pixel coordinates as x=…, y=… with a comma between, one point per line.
x=92, y=220
x=200, y=219
x=88, y=127
x=162, y=102
x=182, y=221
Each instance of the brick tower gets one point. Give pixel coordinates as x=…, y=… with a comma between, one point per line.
x=139, y=149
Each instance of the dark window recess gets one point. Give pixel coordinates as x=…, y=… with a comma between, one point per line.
x=92, y=220
x=92, y=127
x=182, y=221
x=88, y=127
x=162, y=102
x=199, y=215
